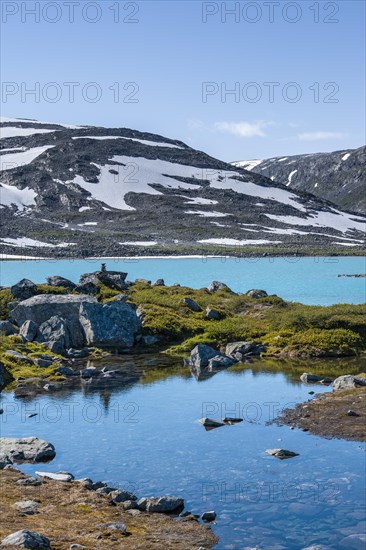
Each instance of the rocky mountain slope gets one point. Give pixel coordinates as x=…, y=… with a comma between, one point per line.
x=339, y=177
x=91, y=191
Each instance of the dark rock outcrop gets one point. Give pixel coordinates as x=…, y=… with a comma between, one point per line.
x=58, y=281
x=24, y=289
x=7, y=329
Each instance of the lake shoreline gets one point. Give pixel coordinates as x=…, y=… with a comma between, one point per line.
x=335, y=415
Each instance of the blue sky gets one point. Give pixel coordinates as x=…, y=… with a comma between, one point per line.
x=174, y=64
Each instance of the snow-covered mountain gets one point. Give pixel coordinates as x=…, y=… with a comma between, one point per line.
x=339, y=176
x=92, y=191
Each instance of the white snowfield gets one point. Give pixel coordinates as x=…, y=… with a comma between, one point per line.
x=14, y=160
x=140, y=243
x=247, y=164
x=207, y=214
x=140, y=173
x=32, y=121
x=12, y=131
x=10, y=195
x=237, y=242
x=27, y=242
x=143, y=141
x=345, y=157
x=291, y=175
x=198, y=200
x=340, y=221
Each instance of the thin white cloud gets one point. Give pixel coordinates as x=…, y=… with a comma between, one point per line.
x=244, y=129
x=195, y=123
x=317, y=136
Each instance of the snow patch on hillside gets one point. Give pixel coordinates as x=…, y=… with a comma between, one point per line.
x=12, y=131
x=10, y=195
x=14, y=160
x=143, y=141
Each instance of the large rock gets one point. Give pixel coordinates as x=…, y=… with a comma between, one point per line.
x=57, y=281
x=213, y=314
x=4, y=376
x=348, y=382
x=220, y=362
x=28, y=331
x=40, y=309
x=7, y=329
x=112, y=324
x=112, y=279
x=27, y=449
x=27, y=539
x=164, y=505
x=55, y=332
x=256, y=293
x=214, y=286
x=24, y=289
x=308, y=378
x=238, y=350
x=191, y=304
x=200, y=356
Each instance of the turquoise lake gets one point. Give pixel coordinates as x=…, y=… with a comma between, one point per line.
x=145, y=436
x=306, y=280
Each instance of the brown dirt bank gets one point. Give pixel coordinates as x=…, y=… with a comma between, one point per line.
x=327, y=416
x=70, y=514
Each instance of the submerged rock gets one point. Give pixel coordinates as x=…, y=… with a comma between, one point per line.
x=308, y=378
x=230, y=420
x=27, y=539
x=281, y=453
x=27, y=449
x=210, y=423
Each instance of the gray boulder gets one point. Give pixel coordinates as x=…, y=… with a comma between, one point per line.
x=209, y=516
x=112, y=324
x=4, y=377
x=60, y=476
x=348, y=382
x=27, y=539
x=28, y=507
x=43, y=363
x=282, y=454
x=41, y=308
x=112, y=279
x=143, y=281
x=120, y=298
x=27, y=449
x=7, y=329
x=122, y=496
x=220, y=362
x=159, y=282
x=239, y=350
x=57, y=281
x=200, y=356
x=213, y=314
x=214, y=286
x=356, y=541
x=191, y=304
x=4, y=461
x=164, y=505
x=24, y=289
x=28, y=331
x=256, y=293
x=55, y=332
x=87, y=288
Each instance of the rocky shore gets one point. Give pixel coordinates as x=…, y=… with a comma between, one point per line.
x=339, y=414
x=36, y=510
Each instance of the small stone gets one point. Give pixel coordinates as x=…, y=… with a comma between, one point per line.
x=159, y=282
x=122, y=496
x=209, y=516
x=213, y=314
x=352, y=413
x=129, y=505
x=115, y=526
x=281, y=453
x=29, y=481
x=191, y=304
x=230, y=420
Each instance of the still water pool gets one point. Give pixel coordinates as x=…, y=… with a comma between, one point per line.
x=306, y=280
x=146, y=437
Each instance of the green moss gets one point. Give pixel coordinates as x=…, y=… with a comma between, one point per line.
x=5, y=297
x=49, y=289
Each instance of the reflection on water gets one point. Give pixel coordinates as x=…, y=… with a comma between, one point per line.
x=142, y=432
